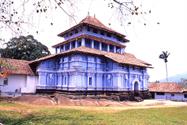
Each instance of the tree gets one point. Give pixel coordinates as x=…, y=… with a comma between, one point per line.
x=14, y=15
x=164, y=56
x=26, y=48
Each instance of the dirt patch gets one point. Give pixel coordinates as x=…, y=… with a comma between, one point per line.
x=35, y=99
x=61, y=100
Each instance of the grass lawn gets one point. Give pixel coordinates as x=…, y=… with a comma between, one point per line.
x=22, y=114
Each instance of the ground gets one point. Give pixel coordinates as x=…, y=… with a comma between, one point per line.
x=41, y=110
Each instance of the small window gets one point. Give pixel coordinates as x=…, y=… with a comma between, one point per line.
x=76, y=31
x=88, y=43
x=88, y=28
x=67, y=46
x=118, y=49
x=111, y=48
x=96, y=44
x=172, y=94
x=73, y=44
x=102, y=33
x=108, y=34
x=70, y=34
x=51, y=76
x=119, y=38
x=5, y=82
x=104, y=47
x=66, y=35
x=65, y=80
x=160, y=93
x=95, y=31
x=78, y=43
x=90, y=81
x=185, y=95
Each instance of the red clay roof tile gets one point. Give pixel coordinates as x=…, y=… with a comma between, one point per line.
x=92, y=21
x=125, y=58
x=169, y=87
x=16, y=66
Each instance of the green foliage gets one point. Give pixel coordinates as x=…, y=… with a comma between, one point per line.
x=164, y=56
x=26, y=48
x=68, y=116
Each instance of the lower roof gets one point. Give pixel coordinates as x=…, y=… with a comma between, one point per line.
x=125, y=58
x=168, y=87
x=15, y=66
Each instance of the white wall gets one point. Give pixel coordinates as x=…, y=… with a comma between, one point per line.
x=23, y=83
x=30, y=85
x=167, y=96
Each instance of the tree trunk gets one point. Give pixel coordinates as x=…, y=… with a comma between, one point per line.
x=166, y=72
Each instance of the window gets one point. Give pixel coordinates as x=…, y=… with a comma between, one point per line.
x=104, y=47
x=111, y=48
x=109, y=79
x=67, y=46
x=78, y=43
x=90, y=81
x=108, y=34
x=73, y=44
x=88, y=43
x=70, y=34
x=61, y=48
x=65, y=80
x=96, y=44
x=160, y=93
x=5, y=82
x=88, y=28
x=102, y=33
x=119, y=39
x=51, y=76
x=133, y=67
x=95, y=31
x=172, y=94
x=25, y=85
x=76, y=31
x=185, y=95
x=118, y=49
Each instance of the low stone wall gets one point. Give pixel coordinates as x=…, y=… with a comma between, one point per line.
x=110, y=95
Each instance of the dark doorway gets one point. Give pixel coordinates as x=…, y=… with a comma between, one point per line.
x=136, y=91
x=136, y=86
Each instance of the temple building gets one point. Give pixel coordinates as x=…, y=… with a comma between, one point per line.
x=92, y=59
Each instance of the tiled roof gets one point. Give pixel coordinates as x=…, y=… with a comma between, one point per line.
x=15, y=66
x=94, y=22
x=93, y=38
x=125, y=58
x=169, y=87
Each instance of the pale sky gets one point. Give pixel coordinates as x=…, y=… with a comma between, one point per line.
x=146, y=42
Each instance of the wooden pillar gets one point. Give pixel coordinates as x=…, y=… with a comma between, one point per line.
x=64, y=47
x=56, y=50
x=83, y=42
x=70, y=45
x=108, y=48
x=114, y=49
x=76, y=43
x=92, y=43
x=100, y=46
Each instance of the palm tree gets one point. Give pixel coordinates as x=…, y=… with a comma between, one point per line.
x=164, y=56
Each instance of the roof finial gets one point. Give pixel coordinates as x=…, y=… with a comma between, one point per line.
x=88, y=13
x=94, y=15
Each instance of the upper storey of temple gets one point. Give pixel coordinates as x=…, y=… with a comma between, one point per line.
x=90, y=32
